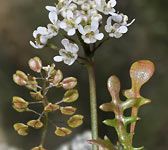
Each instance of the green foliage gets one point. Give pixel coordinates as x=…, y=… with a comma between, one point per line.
x=140, y=73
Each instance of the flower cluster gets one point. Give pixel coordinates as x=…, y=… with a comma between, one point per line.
x=83, y=17
x=51, y=78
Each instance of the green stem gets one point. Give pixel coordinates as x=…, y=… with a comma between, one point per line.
x=45, y=101
x=93, y=102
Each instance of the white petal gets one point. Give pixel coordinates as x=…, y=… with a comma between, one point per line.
x=53, y=17
x=50, y=8
x=78, y=20
x=99, y=36
x=112, y=3
x=87, y=40
x=109, y=20
x=69, y=14
x=58, y=58
x=94, y=25
x=81, y=30
x=74, y=48
x=43, y=39
x=131, y=22
x=69, y=61
x=42, y=30
x=123, y=29
x=71, y=32
x=35, y=46
x=35, y=33
x=63, y=25
x=65, y=43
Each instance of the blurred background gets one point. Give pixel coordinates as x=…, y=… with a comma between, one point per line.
x=147, y=39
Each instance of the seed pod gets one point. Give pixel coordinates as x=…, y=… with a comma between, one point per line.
x=51, y=107
x=71, y=96
x=32, y=83
x=19, y=103
x=38, y=148
x=75, y=121
x=62, y=131
x=21, y=129
x=36, y=95
x=20, y=78
x=68, y=110
x=57, y=77
x=35, y=64
x=37, y=124
x=69, y=83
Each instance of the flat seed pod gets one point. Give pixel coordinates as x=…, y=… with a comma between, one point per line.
x=19, y=103
x=71, y=96
x=68, y=110
x=75, y=121
x=69, y=83
x=20, y=78
x=62, y=131
x=35, y=64
x=36, y=95
x=51, y=107
x=37, y=124
x=21, y=129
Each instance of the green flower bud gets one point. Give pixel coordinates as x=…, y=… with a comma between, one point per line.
x=38, y=148
x=71, y=96
x=75, y=121
x=21, y=129
x=51, y=107
x=69, y=83
x=62, y=131
x=35, y=64
x=37, y=124
x=20, y=78
x=36, y=95
x=19, y=104
x=69, y=110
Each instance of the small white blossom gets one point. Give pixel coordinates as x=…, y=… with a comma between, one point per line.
x=79, y=2
x=90, y=33
x=69, y=54
x=116, y=30
x=41, y=36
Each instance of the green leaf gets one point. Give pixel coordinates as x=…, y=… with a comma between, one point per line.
x=104, y=144
x=111, y=122
x=128, y=120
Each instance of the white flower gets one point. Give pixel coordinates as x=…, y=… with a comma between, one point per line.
x=70, y=24
x=90, y=33
x=121, y=19
x=116, y=30
x=41, y=36
x=104, y=7
x=69, y=54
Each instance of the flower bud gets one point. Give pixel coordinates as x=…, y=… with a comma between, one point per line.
x=36, y=95
x=21, y=129
x=68, y=110
x=35, y=64
x=20, y=78
x=19, y=104
x=37, y=124
x=69, y=83
x=71, y=96
x=38, y=148
x=75, y=121
x=62, y=131
x=51, y=107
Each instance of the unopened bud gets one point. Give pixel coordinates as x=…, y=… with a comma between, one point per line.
x=20, y=78
x=36, y=95
x=35, y=64
x=68, y=110
x=21, y=129
x=37, y=124
x=38, y=148
x=69, y=83
x=71, y=96
x=62, y=131
x=51, y=107
x=75, y=121
x=19, y=104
